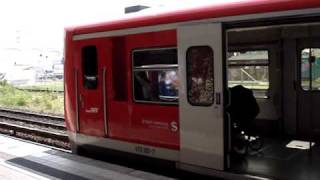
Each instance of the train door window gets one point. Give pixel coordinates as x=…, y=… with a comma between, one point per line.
x=310, y=69
x=155, y=75
x=251, y=70
x=200, y=77
x=90, y=67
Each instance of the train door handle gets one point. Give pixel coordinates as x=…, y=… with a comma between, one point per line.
x=81, y=101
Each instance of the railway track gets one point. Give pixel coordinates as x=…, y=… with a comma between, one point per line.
x=44, y=129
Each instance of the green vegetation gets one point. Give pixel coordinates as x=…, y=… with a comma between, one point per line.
x=53, y=86
x=43, y=102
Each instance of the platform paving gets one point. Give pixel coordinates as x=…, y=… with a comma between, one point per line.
x=28, y=161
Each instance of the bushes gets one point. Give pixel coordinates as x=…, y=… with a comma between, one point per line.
x=9, y=96
x=44, y=102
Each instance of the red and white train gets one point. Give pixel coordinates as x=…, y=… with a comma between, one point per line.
x=155, y=85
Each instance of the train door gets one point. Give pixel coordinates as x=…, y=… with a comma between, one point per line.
x=308, y=90
x=91, y=60
x=201, y=96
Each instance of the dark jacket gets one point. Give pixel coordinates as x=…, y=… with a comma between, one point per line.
x=244, y=107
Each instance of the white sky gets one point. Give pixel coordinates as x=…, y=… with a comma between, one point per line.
x=39, y=24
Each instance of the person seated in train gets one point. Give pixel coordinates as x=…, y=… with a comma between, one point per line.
x=168, y=85
x=243, y=108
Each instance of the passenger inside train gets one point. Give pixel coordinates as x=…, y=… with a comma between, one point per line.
x=168, y=85
x=243, y=111
x=243, y=108
x=280, y=65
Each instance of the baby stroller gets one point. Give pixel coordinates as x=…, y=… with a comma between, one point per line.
x=243, y=110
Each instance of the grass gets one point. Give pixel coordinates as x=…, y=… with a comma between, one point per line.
x=43, y=102
x=53, y=86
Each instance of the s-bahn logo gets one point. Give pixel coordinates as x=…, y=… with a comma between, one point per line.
x=174, y=126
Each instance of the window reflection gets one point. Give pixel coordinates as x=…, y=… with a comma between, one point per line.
x=156, y=85
x=155, y=75
x=310, y=69
x=90, y=67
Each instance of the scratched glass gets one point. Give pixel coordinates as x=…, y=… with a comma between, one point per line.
x=200, y=77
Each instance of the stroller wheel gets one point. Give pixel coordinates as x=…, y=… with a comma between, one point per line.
x=240, y=145
x=256, y=143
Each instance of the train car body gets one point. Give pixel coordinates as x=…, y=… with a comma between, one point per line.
x=156, y=85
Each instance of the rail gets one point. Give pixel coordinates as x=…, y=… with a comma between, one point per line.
x=45, y=129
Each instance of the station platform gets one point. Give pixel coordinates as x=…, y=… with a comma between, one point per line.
x=27, y=161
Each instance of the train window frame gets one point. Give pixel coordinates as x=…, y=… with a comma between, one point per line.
x=300, y=72
x=188, y=78
x=153, y=67
x=267, y=64
x=90, y=80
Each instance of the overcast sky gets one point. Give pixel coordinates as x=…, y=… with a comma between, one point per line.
x=40, y=23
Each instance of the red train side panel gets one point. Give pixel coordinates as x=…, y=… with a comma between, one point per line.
x=149, y=124
x=144, y=123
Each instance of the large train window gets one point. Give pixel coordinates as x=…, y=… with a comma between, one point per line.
x=251, y=70
x=310, y=69
x=155, y=75
x=90, y=67
x=200, y=77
